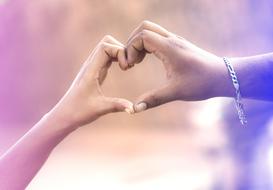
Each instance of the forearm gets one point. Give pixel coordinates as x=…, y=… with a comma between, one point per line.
x=83, y=103
x=255, y=75
x=23, y=160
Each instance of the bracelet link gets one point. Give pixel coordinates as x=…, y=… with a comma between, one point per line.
x=238, y=98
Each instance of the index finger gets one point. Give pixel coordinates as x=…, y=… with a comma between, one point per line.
x=147, y=25
x=145, y=41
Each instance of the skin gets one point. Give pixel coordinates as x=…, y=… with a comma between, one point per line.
x=192, y=74
x=83, y=103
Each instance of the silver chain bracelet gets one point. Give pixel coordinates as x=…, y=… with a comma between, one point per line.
x=238, y=97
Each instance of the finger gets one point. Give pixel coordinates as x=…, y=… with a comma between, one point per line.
x=154, y=98
x=112, y=40
x=119, y=105
x=145, y=41
x=114, y=53
x=147, y=25
x=106, y=55
x=122, y=62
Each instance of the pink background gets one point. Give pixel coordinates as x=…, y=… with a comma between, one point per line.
x=181, y=145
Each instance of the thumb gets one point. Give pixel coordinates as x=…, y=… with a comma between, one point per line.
x=154, y=98
x=118, y=105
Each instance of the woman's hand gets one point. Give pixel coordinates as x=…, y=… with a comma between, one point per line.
x=84, y=101
x=192, y=73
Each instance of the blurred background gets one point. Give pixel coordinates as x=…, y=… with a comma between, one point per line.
x=181, y=145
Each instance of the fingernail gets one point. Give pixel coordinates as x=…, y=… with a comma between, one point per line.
x=140, y=107
x=130, y=110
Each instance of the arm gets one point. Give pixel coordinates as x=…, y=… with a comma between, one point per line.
x=193, y=73
x=255, y=76
x=82, y=104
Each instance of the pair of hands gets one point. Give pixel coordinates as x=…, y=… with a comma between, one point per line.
x=191, y=75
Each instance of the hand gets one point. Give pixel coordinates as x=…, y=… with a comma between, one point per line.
x=84, y=101
x=191, y=72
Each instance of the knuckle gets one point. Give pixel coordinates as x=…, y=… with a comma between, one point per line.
x=107, y=38
x=174, y=43
x=144, y=24
x=144, y=33
x=122, y=67
x=155, y=100
x=103, y=46
x=115, y=108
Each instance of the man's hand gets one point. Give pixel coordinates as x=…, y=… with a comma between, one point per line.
x=192, y=73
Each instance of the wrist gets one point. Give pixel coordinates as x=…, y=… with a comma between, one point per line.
x=59, y=120
x=221, y=82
